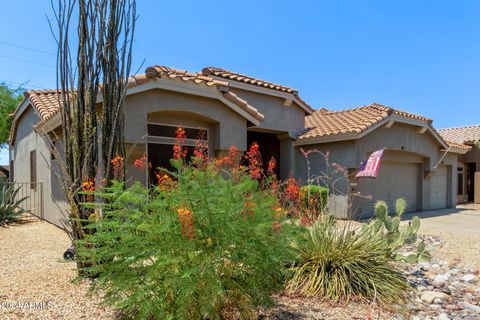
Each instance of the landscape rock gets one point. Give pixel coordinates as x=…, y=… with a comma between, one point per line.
x=469, y=278
x=443, y=291
x=443, y=316
x=430, y=296
x=440, y=280
x=471, y=307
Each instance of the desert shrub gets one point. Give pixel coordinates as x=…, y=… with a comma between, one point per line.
x=314, y=197
x=337, y=261
x=207, y=240
x=10, y=210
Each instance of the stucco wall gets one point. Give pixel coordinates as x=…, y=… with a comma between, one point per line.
x=229, y=127
x=27, y=140
x=278, y=117
x=473, y=156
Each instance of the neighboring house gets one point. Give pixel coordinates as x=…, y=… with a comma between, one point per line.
x=236, y=109
x=415, y=165
x=468, y=170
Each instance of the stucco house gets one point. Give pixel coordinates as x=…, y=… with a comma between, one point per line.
x=468, y=175
x=236, y=109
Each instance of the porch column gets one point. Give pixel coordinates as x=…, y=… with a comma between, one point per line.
x=286, y=155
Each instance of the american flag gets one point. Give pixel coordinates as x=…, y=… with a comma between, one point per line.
x=370, y=167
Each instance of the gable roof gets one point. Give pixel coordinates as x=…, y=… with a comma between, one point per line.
x=461, y=135
x=324, y=122
x=46, y=102
x=249, y=80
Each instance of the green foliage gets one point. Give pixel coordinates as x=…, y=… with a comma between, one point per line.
x=338, y=262
x=204, y=242
x=9, y=100
x=396, y=235
x=10, y=210
x=314, y=197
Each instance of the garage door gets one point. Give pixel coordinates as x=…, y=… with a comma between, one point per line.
x=439, y=188
x=395, y=180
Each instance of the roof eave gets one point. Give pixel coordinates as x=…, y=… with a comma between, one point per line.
x=267, y=91
x=327, y=138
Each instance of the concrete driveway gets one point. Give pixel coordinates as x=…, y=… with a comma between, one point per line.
x=463, y=220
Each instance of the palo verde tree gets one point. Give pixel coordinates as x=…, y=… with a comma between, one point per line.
x=94, y=40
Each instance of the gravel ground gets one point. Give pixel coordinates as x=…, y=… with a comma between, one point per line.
x=292, y=308
x=35, y=282
x=461, y=250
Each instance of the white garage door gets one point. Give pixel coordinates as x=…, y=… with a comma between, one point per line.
x=439, y=188
x=395, y=180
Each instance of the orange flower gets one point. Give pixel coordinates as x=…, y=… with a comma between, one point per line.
x=117, y=164
x=88, y=186
x=141, y=163
x=254, y=159
x=272, y=165
x=201, y=149
x=165, y=181
x=292, y=190
x=179, y=151
x=186, y=220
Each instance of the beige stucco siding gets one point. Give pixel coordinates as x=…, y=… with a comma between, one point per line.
x=27, y=140
x=473, y=156
x=278, y=117
x=228, y=127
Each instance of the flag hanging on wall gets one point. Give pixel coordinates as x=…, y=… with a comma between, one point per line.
x=370, y=167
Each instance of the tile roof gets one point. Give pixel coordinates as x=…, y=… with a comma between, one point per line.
x=324, y=122
x=467, y=134
x=222, y=73
x=172, y=73
x=200, y=79
x=457, y=145
x=46, y=102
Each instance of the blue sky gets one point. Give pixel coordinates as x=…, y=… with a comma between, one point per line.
x=420, y=56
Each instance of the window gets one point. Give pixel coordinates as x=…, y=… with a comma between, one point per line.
x=169, y=131
x=33, y=169
x=161, y=138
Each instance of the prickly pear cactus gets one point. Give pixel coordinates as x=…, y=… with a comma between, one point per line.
x=397, y=235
